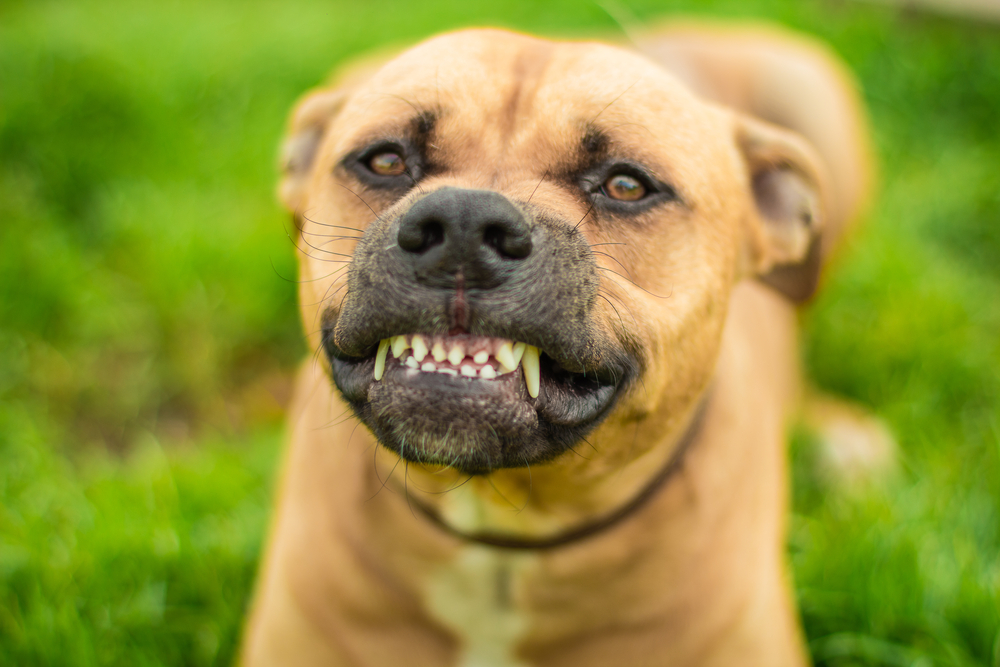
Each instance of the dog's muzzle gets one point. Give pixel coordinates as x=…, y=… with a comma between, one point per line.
x=469, y=335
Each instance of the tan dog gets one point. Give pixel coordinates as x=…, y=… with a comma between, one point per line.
x=535, y=275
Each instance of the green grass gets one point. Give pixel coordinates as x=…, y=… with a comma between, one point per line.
x=147, y=323
x=145, y=559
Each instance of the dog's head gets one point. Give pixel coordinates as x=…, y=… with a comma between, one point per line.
x=509, y=242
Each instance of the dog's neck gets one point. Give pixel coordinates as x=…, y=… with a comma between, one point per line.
x=584, y=492
x=587, y=529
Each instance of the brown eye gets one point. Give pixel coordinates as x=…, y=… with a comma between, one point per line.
x=624, y=188
x=387, y=164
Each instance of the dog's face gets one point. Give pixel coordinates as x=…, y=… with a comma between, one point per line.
x=511, y=242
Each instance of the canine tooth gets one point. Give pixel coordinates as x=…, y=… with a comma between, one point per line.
x=399, y=346
x=468, y=371
x=456, y=355
x=419, y=348
x=438, y=352
x=488, y=372
x=383, y=349
x=505, y=356
x=412, y=362
x=481, y=357
x=517, y=352
x=429, y=366
x=448, y=371
x=529, y=362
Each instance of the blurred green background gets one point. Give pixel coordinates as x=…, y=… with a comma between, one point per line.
x=148, y=326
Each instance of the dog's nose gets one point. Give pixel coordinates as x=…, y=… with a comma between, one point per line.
x=476, y=233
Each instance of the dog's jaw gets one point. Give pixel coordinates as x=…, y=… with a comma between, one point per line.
x=473, y=402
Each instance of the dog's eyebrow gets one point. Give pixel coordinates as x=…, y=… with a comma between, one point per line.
x=421, y=131
x=423, y=123
x=595, y=141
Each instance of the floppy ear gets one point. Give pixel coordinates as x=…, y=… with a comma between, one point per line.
x=788, y=186
x=306, y=128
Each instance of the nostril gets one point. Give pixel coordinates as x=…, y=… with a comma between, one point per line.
x=516, y=245
x=433, y=234
x=493, y=237
x=420, y=238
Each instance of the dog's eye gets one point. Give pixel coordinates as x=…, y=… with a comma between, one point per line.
x=387, y=164
x=624, y=188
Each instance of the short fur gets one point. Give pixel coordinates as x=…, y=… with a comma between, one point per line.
x=356, y=572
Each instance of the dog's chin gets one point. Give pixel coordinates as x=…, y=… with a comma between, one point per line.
x=445, y=415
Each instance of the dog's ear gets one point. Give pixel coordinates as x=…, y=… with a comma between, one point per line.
x=788, y=185
x=306, y=128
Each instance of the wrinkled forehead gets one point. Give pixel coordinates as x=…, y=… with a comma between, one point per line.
x=505, y=88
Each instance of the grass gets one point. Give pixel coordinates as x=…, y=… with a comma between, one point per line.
x=147, y=328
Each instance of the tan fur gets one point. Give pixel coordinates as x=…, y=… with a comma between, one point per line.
x=354, y=575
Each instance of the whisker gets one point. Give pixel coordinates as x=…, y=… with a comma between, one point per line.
x=351, y=436
x=329, y=252
x=460, y=485
x=608, y=105
x=275, y=269
x=306, y=253
x=544, y=176
x=528, y=498
x=406, y=488
x=388, y=477
x=614, y=309
x=377, y=216
x=336, y=419
x=604, y=268
x=326, y=224
x=507, y=500
x=617, y=298
x=327, y=295
x=613, y=259
x=403, y=99
x=447, y=468
x=312, y=280
x=334, y=236
x=584, y=216
x=413, y=180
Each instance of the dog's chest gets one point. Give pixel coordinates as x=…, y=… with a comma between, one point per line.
x=474, y=596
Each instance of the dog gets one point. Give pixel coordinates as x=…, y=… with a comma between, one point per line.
x=550, y=289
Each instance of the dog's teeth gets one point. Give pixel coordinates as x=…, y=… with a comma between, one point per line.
x=429, y=366
x=481, y=357
x=412, y=362
x=456, y=355
x=469, y=371
x=505, y=356
x=399, y=346
x=419, y=348
x=488, y=373
x=532, y=374
x=448, y=371
x=383, y=349
x=438, y=352
x=517, y=352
